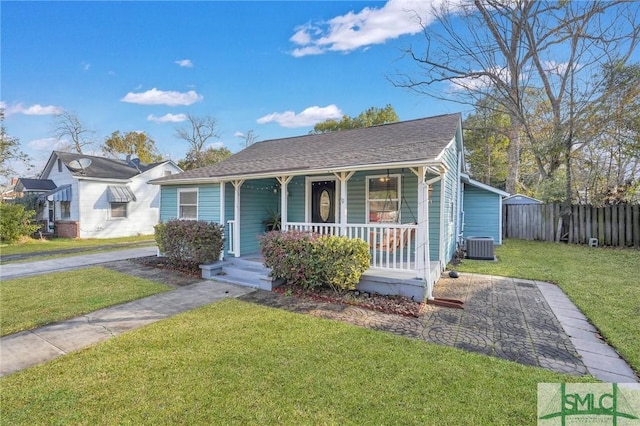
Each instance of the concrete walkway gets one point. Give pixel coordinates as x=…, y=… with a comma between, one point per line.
x=28, y=348
x=23, y=269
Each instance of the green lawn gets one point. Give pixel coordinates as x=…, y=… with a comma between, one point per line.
x=603, y=282
x=36, y=245
x=237, y=363
x=34, y=301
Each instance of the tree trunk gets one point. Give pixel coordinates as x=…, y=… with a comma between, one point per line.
x=513, y=157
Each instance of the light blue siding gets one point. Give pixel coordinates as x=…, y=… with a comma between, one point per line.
x=295, y=200
x=168, y=203
x=481, y=213
x=209, y=202
x=256, y=198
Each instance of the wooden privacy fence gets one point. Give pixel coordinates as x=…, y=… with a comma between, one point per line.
x=616, y=225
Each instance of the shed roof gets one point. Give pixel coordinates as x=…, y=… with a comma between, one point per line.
x=34, y=185
x=407, y=141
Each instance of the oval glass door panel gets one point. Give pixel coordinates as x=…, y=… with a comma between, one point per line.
x=325, y=205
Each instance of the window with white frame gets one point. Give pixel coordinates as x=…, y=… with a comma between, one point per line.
x=188, y=204
x=383, y=199
x=118, y=210
x=65, y=209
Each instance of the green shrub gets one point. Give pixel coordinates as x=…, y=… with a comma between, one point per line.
x=189, y=243
x=342, y=261
x=15, y=222
x=310, y=260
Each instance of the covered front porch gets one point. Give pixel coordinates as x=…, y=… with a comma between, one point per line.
x=396, y=211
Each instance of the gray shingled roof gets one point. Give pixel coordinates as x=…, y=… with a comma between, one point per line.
x=105, y=168
x=406, y=141
x=35, y=185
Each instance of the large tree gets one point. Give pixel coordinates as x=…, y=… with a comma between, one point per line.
x=198, y=134
x=206, y=157
x=10, y=151
x=507, y=51
x=371, y=117
x=132, y=143
x=67, y=126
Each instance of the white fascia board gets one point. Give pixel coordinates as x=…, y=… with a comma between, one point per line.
x=481, y=185
x=305, y=172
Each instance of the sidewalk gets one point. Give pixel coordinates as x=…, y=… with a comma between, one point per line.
x=15, y=270
x=28, y=348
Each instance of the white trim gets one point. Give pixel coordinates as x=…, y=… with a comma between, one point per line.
x=307, y=195
x=181, y=190
x=284, y=207
x=305, y=172
x=465, y=178
x=237, y=184
x=222, y=207
x=398, y=177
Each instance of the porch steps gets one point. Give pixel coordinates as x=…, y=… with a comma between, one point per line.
x=249, y=273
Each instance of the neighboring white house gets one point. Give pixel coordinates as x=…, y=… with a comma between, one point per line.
x=97, y=197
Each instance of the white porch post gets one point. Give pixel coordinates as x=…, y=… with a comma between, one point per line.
x=422, y=235
x=443, y=223
x=236, y=216
x=284, y=181
x=343, y=177
x=222, y=219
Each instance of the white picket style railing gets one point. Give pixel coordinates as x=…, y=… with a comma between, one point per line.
x=392, y=245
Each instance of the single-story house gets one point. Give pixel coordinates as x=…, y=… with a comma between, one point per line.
x=401, y=187
x=86, y=196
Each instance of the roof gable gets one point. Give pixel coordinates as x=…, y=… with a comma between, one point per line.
x=407, y=141
x=100, y=167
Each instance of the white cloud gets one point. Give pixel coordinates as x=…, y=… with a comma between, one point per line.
x=85, y=66
x=35, y=109
x=161, y=97
x=167, y=118
x=46, y=144
x=185, y=63
x=368, y=27
x=239, y=134
x=308, y=117
x=215, y=145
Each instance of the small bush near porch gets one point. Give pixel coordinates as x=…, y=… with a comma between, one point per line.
x=189, y=243
x=311, y=260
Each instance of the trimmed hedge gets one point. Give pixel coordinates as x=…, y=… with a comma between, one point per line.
x=312, y=260
x=189, y=242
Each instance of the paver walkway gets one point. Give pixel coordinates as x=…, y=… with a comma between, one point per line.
x=503, y=317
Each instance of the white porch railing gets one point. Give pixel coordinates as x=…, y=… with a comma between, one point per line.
x=233, y=238
x=392, y=246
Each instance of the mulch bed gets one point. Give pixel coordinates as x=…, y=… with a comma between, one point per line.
x=396, y=305
x=163, y=263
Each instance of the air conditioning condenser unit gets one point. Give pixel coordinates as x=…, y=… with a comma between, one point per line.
x=480, y=248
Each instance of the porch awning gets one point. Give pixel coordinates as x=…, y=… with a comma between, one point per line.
x=61, y=193
x=119, y=194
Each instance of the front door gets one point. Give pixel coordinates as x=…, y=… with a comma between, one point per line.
x=323, y=209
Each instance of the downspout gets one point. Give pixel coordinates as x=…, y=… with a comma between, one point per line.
x=459, y=225
x=441, y=252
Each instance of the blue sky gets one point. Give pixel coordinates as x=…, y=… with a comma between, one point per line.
x=276, y=68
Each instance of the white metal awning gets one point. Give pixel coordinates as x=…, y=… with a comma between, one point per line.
x=119, y=194
x=61, y=193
